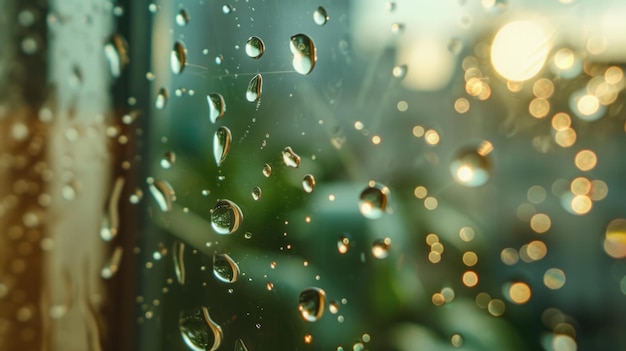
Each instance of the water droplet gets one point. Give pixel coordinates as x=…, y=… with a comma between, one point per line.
x=226, y=9
x=178, y=58
x=455, y=46
x=471, y=167
x=168, y=159
x=226, y=217
x=161, y=99
x=304, y=53
x=256, y=193
x=456, y=340
x=163, y=193
x=381, y=247
x=110, y=222
x=343, y=244
x=182, y=18
x=217, y=106
x=225, y=269
x=333, y=307
x=199, y=331
x=136, y=196
x=240, y=346
x=311, y=304
x=308, y=183
x=399, y=71
x=255, y=88
x=255, y=47
x=267, y=170
x=179, y=261
x=112, y=265
x=221, y=144
x=248, y=235
x=373, y=200
x=320, y=16
x=116, y=52
x=290, y=158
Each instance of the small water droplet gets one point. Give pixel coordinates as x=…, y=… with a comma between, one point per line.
x=255, y=88
x=248, y=235
x=255, y=47
x=225, y=269
x=136, y=196
x=163, y=194
x=226, y=9
x=161, y=99
x=320, y=16
x=168, y=159
x=311, y=304
x=110, y=222
x=333, y=307
x=304, y=53
x=240, y=346
x=399, y=71
x=267, y=170
x=456, y=340
x=290, y=158
x=116, y=52
x=221, y=144
x=343, y=244
x=199, y=331
x=217, y=106
x=182, y=18
x=178, y=58
x=179, y=261
x=381, y=247
x=112, y=265
x=373, y=200
x=471, y=167
x=226, y=217
x=308, y=183
x=256, y=193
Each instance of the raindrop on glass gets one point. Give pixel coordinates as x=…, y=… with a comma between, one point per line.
x=182, y=18
x=290, y=158
x=225, y=269
x=168, y=159
x=381, y=247
x=221, y=144
x=116, y=52
x=304, y=53
x=343, y=244
x=320, y=16
x=256, y=193
x=255, y=47
x=136, y=196
x=373, y=200
x=267, y=170
x=217, y=106
x=226, y=217
x=161, y=99
x=112, y=265
x=178, y=58
x=471, y=166
x=311, y=304
x=399, y=71
x=226, y=9
x=308, y=183
x=255, y=88
x=199, y=331
x=163, y=193
x=179, y=261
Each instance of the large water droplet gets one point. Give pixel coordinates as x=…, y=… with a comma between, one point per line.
x=311, y=304
x=168, y=159
x=320, y=16
x=381, y=247
x=116, y=52
x=255, y=47
x=161, y=99
x=308, y=183
x=472, y=166
x=221, y=144
x=304, y=53
x=163, y=193
x=255, y=88
x=226, y=217
x=199, y=331
x=182, y=18
x=373, y=200
x=225, y=269
x=290, y=158
x=267, y=170
x=179, y=261
x=178, y=58
x=256, y=193
x=217, y=106
x=343, y=244
x=240, y=346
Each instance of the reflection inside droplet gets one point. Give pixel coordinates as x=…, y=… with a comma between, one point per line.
x=226, y=217
x=225, y=269
x=198, y=331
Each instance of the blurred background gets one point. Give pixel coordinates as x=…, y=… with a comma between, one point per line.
x=332, y=175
